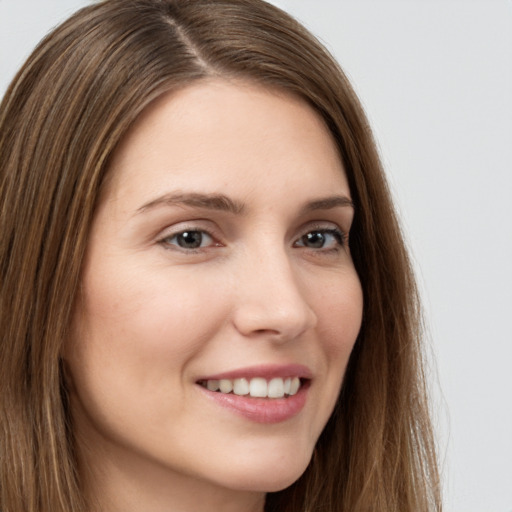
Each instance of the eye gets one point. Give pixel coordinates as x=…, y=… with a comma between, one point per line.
x=189, y=239
x=326, y=239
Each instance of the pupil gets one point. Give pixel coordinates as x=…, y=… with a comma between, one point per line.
x=315, y=240
x=190, y=239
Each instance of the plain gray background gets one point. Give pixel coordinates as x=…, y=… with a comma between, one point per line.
x=435, y=77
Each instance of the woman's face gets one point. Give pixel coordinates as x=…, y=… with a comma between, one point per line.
x=218, y=257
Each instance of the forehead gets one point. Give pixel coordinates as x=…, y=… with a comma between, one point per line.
x=228, y=136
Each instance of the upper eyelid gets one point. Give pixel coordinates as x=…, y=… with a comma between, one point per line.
x=193, y=225
x=326, y=225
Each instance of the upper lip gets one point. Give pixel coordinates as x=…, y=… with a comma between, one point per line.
x=266, y=371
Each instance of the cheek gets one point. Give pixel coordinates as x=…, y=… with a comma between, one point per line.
x=134, y=338
x=339, y=311
x=152, y=313
x=338, y=304
x=339, y=322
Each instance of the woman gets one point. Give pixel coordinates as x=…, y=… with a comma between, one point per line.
x=184, y=325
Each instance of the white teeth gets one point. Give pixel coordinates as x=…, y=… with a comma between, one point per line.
x=257, y=387
x=226, y=385
x=212, y=385
x=241, y=387
x=287, y=386
x=276, y=388
x=294, y=386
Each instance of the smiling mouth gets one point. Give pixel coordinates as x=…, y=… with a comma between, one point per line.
x=257, y=387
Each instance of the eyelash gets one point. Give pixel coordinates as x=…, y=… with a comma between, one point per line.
x=165, y=241
x=340, y=237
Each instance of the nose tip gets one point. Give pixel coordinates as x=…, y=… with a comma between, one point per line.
x=278, y=322
x=273, y=303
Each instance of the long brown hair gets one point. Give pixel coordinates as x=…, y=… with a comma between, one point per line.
x=61, y=119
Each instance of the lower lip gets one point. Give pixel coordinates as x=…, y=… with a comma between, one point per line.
x=261, y=410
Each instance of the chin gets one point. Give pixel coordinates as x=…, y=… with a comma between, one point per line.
x=271, y=475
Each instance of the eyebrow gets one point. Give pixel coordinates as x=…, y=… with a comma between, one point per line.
x=209, y=201
x=327, y=203
x=220, y=202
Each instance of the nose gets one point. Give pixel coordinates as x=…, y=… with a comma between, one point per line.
x=271, y=301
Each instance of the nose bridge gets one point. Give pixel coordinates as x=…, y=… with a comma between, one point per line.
x=271, y=300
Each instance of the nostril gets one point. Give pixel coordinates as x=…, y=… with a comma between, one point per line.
x=266, y=331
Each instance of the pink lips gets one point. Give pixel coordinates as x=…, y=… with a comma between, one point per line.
x=262, y=410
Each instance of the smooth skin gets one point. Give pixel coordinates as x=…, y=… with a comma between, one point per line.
x=220, y=242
